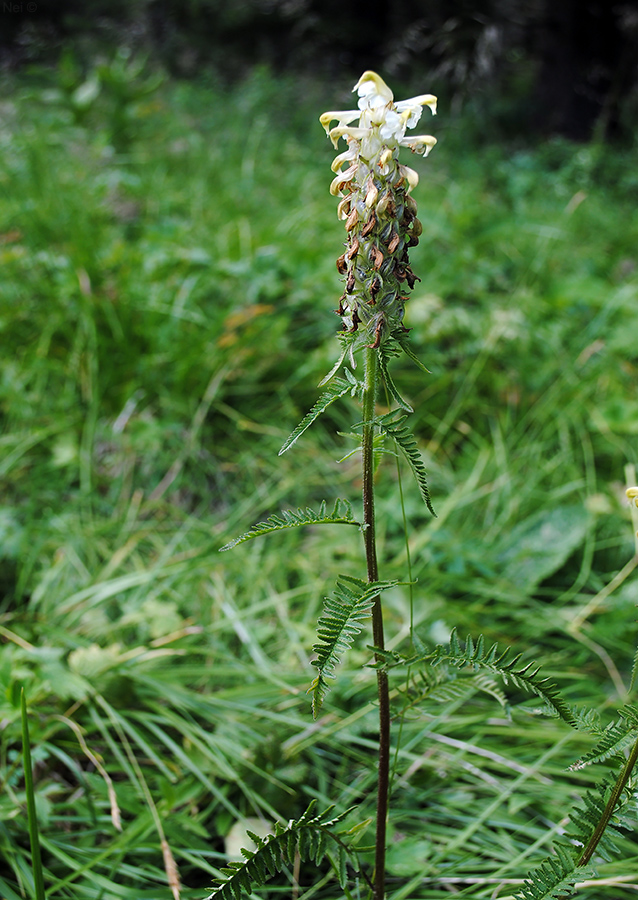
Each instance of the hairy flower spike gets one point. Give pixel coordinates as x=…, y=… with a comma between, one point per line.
x=380, y=216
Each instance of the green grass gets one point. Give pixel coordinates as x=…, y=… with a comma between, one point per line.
x=166, y=316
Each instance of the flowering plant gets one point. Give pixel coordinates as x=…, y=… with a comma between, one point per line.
x=381, y=226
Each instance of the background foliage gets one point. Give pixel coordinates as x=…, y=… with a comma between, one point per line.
x=168, y=274
x=571, y=68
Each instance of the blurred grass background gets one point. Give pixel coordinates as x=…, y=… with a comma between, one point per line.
x=168, y=276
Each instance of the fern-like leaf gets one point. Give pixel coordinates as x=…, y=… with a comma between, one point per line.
x=588, y=719
x=441, y=685
x=340, y=515
x=555, y=877
x=333, y=371
x=337, y=627
x=308, y=835
x=593, y=826
x=501, y=662
x=613, y=740
x=586, y=817
x=404, y=343
x=384, y=355
x=556, y=874
x=338, y=388
x=395, y=427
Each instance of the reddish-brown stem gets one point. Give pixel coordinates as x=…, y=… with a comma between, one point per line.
x=368, y=403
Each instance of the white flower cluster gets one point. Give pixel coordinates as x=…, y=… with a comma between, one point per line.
x=382, y=123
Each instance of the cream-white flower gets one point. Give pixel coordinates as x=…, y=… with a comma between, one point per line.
x=381, y=122
x=373, y=91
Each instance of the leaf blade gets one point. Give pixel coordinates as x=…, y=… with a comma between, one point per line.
x=340, y=515
x=338, y=626
x=339, y=388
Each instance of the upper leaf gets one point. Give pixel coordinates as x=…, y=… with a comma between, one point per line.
x=340, y=515
x=404, y=342
x=384, y=354
x=339, y=388
x=393, y=425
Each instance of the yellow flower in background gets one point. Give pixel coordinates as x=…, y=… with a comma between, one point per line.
x=632, y=496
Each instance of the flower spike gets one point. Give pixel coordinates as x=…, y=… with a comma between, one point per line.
x=375, y=203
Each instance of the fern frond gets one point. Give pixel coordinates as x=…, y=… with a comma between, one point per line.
x=614, y=740
x=394, y=426
x=505, y=665
x=338, y=388
x=446, y=692
x=555, y=876
x=337, y=627
x=340, y=515
x=308, y=835
x=440, y=686
x=384, y=354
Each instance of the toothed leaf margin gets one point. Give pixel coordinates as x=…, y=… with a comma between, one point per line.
x=308, y=835
x=340, y=515
x=555, y=876
x=338, y=388
x=404, y=438
x=507, y=666
x=337, y=627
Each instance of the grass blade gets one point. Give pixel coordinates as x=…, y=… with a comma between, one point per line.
x=34, y=836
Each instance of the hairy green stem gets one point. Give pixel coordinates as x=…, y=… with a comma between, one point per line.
x=367, y=444
x=619, y=787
